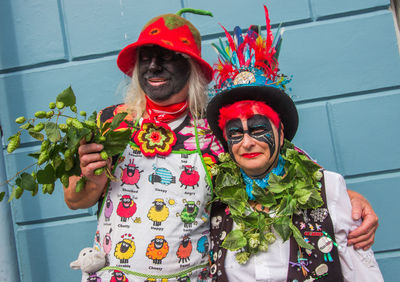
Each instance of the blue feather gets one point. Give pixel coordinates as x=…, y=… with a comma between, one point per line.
x=237, y=35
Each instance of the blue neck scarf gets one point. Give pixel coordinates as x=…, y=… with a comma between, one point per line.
x=262, y=182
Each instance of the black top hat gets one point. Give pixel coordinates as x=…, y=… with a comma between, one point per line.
x=247, y=69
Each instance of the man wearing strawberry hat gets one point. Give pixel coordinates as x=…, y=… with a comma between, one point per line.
x=165, y=102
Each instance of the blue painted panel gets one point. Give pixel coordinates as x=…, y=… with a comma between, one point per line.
x=8, y=254
x=41, y=207
x=103, y=26
x=339, y=57
x=23, y=93
x=384, y=202
x=245, y=13
x=313, y=134
x=323, y=8
x=389, y=264
x=364, y=130
x=46, y=250
x=30, y=33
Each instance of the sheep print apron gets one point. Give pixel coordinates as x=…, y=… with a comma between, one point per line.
x=154, y=221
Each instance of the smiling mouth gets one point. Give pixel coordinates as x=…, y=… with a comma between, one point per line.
x=250, y=155
x=157, y=81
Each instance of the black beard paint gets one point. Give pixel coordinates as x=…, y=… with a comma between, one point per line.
x=163, y=66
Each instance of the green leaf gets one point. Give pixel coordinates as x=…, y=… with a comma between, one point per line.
x=287, y=206
x=275, y=185
x=234, y=241
x=314, y=201
x=235, y=197
x=302, y=195
x=52, y=132
x=37, y=135
x=116, y=121
x=75, y=135
x=226, y=180
x=26, y=181
x=2, y=194
x=46, y=175
x=34, y=155
x=116, y=141
x=252, y=219
x=299, y=239
x=265, y=198
x=67, y=97
x=282, y=227
x=60, y=169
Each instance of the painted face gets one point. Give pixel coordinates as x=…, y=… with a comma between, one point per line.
x=162, y=72
x=253, y=143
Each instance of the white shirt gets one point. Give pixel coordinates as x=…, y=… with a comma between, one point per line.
x=272, y=266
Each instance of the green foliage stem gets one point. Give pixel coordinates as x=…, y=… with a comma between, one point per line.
x=58, y=157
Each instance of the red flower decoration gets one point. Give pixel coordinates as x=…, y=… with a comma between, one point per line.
x=155, y=138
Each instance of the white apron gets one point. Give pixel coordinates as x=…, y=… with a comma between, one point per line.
x=153, y=224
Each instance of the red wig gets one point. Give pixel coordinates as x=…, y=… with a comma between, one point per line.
x=246, y=109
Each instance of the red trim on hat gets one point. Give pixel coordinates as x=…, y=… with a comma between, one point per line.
x=246, y=109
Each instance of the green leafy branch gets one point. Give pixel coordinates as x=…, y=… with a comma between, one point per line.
x=297, y=189
x=58, y=157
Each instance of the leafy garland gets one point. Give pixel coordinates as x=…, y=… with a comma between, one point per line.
x=298, y=188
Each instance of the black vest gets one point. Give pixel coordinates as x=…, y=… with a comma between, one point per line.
x=316, y=227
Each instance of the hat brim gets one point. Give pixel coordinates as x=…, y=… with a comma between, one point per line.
x=127, y=57
x=277, y=99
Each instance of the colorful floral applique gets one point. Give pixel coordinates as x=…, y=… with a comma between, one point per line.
x=155, y=138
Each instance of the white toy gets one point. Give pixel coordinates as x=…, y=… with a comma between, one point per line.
x=89, y=260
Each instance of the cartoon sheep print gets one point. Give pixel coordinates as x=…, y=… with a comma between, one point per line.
x=161, y=175
x=203, y=246
x=107, y=245
x=159, y=212
x=126, y=207
x=189, y=177
x=131, y=174
x=125, y=249
x=118, y=276
x=189, y=213
x=157, y=249
x=184, y=250
x=108, y=208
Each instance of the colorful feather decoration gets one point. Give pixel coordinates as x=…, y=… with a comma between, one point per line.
x=249, y=52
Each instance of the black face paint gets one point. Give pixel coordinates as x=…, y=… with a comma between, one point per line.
x=164, y=67
x=258, y=127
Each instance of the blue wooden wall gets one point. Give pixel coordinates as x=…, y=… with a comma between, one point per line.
x=343, y=56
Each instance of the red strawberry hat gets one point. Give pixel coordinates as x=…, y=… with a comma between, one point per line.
x=172, y=32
